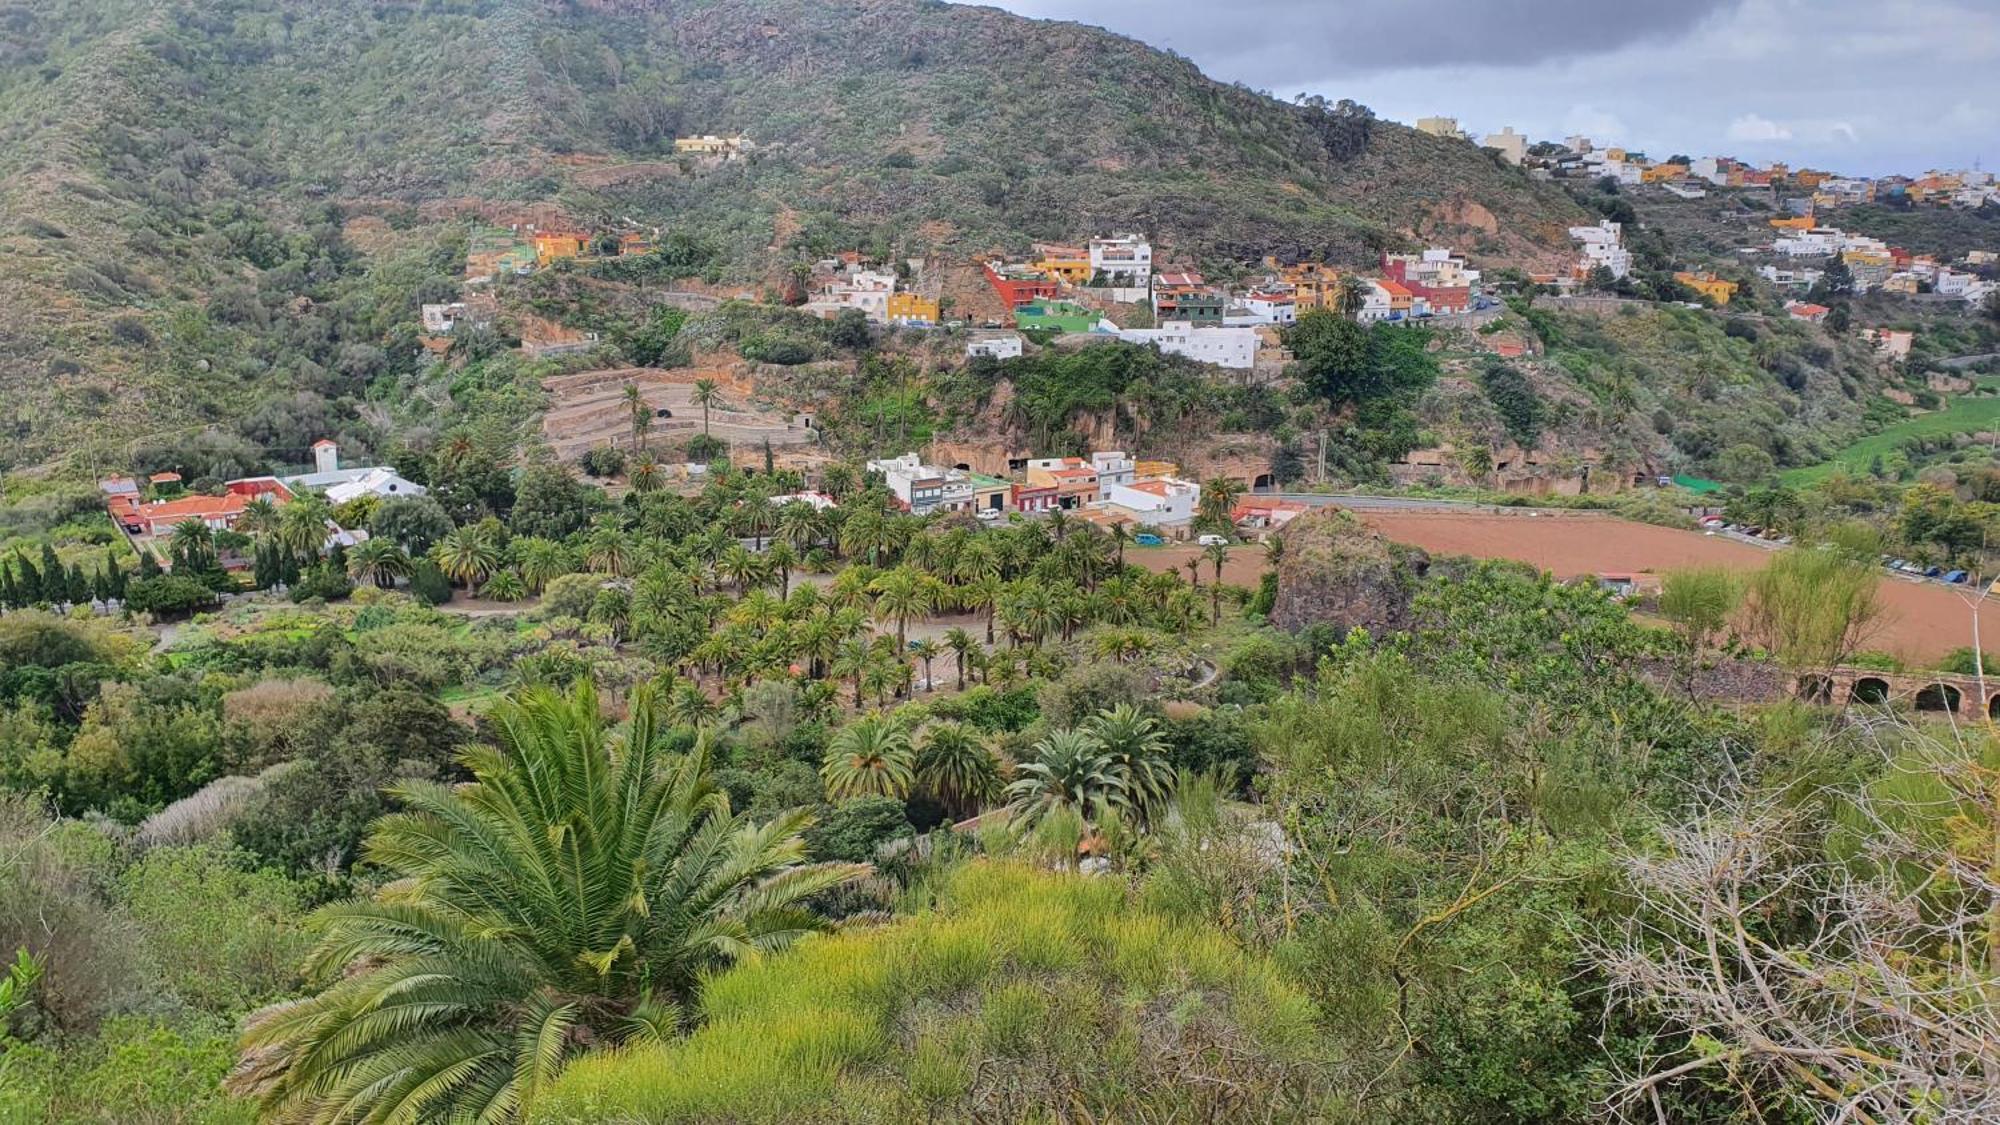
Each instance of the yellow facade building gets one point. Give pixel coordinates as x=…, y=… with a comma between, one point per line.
x=909, y=308
x=1708, y=285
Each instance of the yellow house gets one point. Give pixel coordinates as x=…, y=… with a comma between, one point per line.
x=1866, y=258
x=1314, y=286
x=1659, y=173
x=552, y=245
x=1708, y=285
x=906, y=308
x=1615, y=155
x=1065, y=263
x=1904, y=283
x=711, y=145
x=1794, y=222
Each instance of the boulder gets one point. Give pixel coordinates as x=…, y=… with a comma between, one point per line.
x=1337, y=572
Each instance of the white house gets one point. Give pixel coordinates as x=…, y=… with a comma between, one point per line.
x=1113, y=467
x=342, y=485
x=1603, y=245
x=1004, y=345
x=439, y=320
x=922, y=489
x=1790, y=278
x=1165, y=502
x=819, y=501
x=1223, y=347
x=380, y=481
x=1122, y=261
x=867, y=290
x=1822, y=243
x=1261, y=307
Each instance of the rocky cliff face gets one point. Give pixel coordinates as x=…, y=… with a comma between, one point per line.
x=1339, y=573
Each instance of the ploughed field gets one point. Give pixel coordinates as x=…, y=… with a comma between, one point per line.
x=1921, y=623
x=589, y=409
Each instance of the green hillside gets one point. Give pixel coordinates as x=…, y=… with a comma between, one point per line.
x=211, y=206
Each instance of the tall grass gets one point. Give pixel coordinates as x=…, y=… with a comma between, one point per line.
x=1019, y=986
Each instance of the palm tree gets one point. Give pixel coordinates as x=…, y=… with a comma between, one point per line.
x=1194, y=571
x=781, y=558
x=901, y=594
x=505, y=586
x=1217, y=554
x=259, y=519
x=691, y=707
x=608, y=552
x=927, y=650
x=541, y=561
x=1350, y=294
x=1069, y=772
x=957, y=767
x=302, y=525
x=851, y=661
x=1274, y=551
x=706, y=395
x=739, y=566
x=191, y=538
x=961, y=645
x=577, y=892
x=380, y=561
x=984, y=592
x=1218, y=499
x=870, y=757
x=1139, y=751
x=642, y=415
x=799, y=525
x=466, y=556
x=1119, y=537
x=646, y=475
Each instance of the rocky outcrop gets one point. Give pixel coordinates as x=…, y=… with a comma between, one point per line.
x=1337, y=572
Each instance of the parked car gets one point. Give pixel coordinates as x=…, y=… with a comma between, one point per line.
x=987, y=514
x=1212, y=540
x=1933, y=572
x=1955, y=577
x=1147, y=539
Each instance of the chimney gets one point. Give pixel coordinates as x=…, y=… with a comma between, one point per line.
x=326, y=456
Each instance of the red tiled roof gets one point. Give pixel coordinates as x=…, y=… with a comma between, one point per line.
x=1393, y=289
x=163, y=478
x=194, y=508
x=1072, y=474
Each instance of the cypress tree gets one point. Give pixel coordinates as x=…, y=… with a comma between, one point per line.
x=149, y=565
x=79, y=585
x=10, y=595
x=31, y=579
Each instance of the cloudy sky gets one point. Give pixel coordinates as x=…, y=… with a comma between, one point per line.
x=1862, y=86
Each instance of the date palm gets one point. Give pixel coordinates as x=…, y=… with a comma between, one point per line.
x=926, y=650
x=1138, y=749
x=466, y=556
x=380, y=561
x=1070, y=771
x=541, y=561
x=957, y=767
x=799, y=525
x=901, y=594
x=1350, y=293
x=646, y=475
x=707, y=394
x=302, y=525
x=1217, y=554
x=1218, y=499
x=578, y=891
x=607, y=551
x=984, y=593
x=259, y=519
x=961, y=645
x=870, y=757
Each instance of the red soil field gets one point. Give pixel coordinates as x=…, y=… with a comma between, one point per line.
x=1922, y=621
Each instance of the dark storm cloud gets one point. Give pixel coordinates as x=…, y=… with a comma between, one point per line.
x=1288, y=39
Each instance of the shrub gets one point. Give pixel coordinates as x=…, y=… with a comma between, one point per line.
x=428, y=584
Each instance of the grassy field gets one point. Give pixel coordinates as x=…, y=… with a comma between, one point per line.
x=1964, y=415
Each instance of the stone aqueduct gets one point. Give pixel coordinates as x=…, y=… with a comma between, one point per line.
x=1930, y=693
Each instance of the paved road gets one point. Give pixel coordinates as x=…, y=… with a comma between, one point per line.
x=1391, y=503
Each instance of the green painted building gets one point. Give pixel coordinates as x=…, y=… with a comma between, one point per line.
x=1055, y=316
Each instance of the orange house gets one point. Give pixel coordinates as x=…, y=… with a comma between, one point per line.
x=909, y=308
x=1795, y=222
x=551, y=245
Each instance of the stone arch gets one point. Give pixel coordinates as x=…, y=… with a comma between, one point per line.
x=1263, y=482
x=1939, y=697
x=1815, y=688
x=1872, y=690
x=963, y=467
x=1993, y=707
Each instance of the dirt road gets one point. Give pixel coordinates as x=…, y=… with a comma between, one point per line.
x=1921, y=623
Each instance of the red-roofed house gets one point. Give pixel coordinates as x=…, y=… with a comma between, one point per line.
x=1162, y=503
x=1073, y=478
x=1810, y=313
x=164, y=478
x=218, y=512
x=1260, y=512
x=1018, y=285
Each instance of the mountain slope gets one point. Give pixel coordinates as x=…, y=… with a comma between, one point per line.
x=169, y=166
